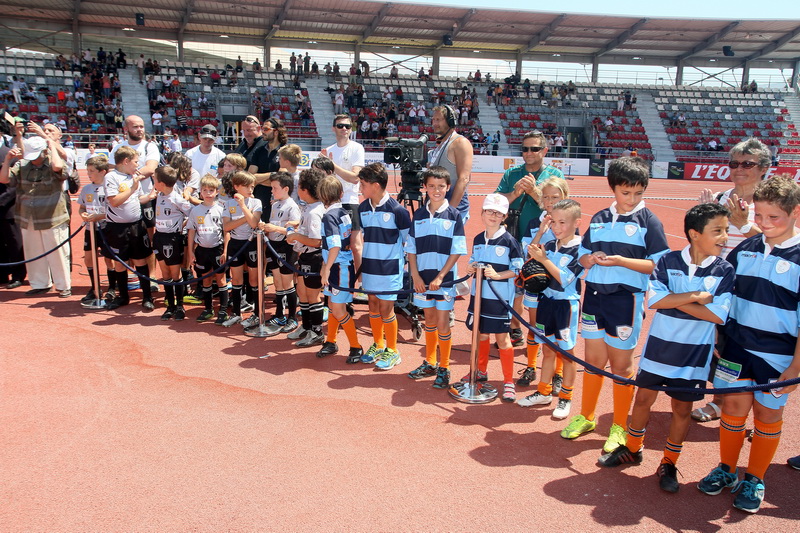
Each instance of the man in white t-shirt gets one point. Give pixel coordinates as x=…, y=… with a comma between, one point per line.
x=156, y=118
x=205, y=156
x=338, y=102
x=348, y=160
x=140, y=67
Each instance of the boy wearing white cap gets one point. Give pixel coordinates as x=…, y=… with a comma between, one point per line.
x=501, y=256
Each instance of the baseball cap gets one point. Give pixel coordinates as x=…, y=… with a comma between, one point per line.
x=496, y=202
x=33, y=148
x=208, y=132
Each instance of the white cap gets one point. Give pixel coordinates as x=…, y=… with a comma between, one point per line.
x=496, y=202
x=33, y=147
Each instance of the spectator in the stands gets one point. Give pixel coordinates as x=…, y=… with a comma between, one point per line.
x=215, y=78
x=393, y=74
x=753, y=87
x=202, y=101
x=712, y=145
x=121, y=61
x=477, y=76
x=681, y=120
x=256, y=66
x=700, y=145
x=315, y=69
x=278, y=66
x=774, y=150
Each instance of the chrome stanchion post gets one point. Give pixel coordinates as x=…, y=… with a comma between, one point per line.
x=259, y=330
x=473, y=391
x=98, y=302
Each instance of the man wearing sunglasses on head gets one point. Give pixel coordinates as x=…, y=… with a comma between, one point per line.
x=348, y=160
x=519, y=183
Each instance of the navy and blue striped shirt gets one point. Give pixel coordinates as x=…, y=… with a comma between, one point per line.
x=680, y=345
x=636, y=235
x=336, y=230
x=566, y=259
x=502, y=252
x=765, y=315
x=433, y=238
x=385, y=228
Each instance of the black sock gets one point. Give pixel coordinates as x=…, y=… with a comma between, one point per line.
x=208, y=302
x=306, y=315
x=144, y=282
x=316, y=312
x=179, y=295
x=91, y=279
x=291, y=302
x=122, y=282
x=169, y=290
x=223, y=300
x=280, y=297
x=236, y=298
x=112, y=280
x=186, y=274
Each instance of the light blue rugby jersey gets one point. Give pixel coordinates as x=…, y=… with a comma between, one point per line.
x=385, y=228
x=637, y=235
x=679, y=345
x=433, y=238
x=532, y=231
x=765, y=315
x=502, y=252
x=566, y=259
x=336, y=230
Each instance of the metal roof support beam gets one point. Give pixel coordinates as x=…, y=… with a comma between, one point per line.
x=76, y=30
x=542, y=36
x=276, y=24
x=745, y=73
x=435, y=62
x=622, y=37
x=375, y=23
x=795, y=81
x=775, y=45
x=708, y=43
x=595, y=69
x=357, y=55
x=679, y=73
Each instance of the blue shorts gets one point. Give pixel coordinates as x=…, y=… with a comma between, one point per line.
x=343, y=277
x=530, y=300
x=558, y=321
x=616, y=318
x=737, y=367
x=442, y=302
x=388, y=283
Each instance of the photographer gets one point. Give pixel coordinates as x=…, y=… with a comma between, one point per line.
x=41, y=209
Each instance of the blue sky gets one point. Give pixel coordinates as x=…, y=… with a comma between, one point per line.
x=735, y=9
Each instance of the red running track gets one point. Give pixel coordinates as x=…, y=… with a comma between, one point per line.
x=118, y=421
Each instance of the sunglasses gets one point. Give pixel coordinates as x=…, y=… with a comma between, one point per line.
x=252, y=120
x=743, y=164
x=533, y=149
x=344, y=126
x=493, y=213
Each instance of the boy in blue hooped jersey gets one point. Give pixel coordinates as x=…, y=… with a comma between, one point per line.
x=619, y=251
x=691, y=289
x=760, y=341
x=435, y=244
x=501, y=255
x=385, y=224
x=559, y=304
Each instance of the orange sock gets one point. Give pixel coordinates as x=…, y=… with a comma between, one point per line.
x=445, y=349
x=507, y=363
x=390, y=325
x=566, y=393
x=545, y=389
x=672, y=452
x=592, y=385
x=430, y=344
x=635, y=439
x=623, y=398
x=559, y=365
x=349, y=327
x=532, y=350
x=333, y=328
x=731, y=438
x=483, y=355
x=376, y=322
x=765, y=442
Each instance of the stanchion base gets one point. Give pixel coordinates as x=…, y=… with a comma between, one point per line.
x=94, y=304
x=260, y=331
x=481, y=393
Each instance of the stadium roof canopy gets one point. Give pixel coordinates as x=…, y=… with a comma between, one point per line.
x=404, y=28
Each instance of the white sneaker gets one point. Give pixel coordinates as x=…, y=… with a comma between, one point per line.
x=311, y=339
x=535, y=399
x=562, y=409
x=299, y=333
x=250, y=322
x=234, y=319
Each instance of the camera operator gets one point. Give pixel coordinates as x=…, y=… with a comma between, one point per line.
x=453, y=152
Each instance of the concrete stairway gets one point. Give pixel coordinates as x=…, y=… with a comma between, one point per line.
x=323, y=109
x=134, y=96
x=662, y=148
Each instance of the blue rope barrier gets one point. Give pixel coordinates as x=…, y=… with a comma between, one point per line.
x=17, y=263
x=192, y=281
x=628, y=381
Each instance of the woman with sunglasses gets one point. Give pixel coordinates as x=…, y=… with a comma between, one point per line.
x=749, y=162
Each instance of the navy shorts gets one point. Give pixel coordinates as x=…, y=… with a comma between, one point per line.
x=168, y=247
x=737, y=367
x=558, y=321
x=616, y=318
x=248, y=257
x=648, y=379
